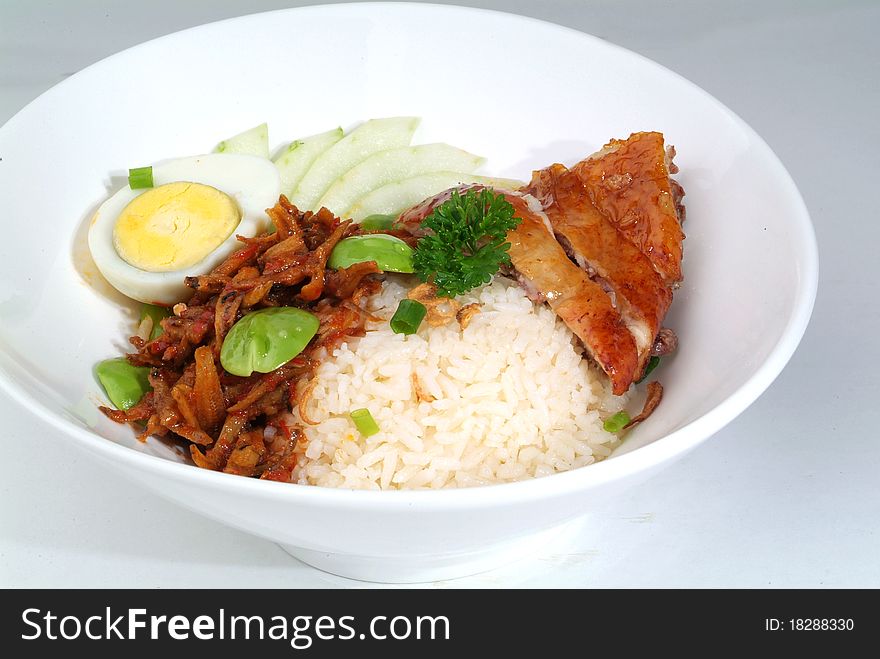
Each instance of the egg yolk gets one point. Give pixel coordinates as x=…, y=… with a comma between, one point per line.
x=174, y=226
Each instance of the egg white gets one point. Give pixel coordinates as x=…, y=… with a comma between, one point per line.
x=254, y=184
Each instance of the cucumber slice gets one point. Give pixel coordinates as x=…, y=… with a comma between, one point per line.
x=394, y=165
x=394, y=198
x=368, y=138
x=296, y=159
x=253, y=142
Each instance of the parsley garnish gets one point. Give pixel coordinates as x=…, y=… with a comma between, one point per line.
x=469, y=241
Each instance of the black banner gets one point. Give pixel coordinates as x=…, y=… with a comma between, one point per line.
x=398, y=622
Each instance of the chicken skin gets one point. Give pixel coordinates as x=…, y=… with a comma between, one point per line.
x=601, y=243
x=624, y=272
x=628, y=181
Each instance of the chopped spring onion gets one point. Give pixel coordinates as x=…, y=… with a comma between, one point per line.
x=408, y=317
x=378, y=222
x=364, y=422
x=140, y=177
x=616, y=422
x=653, y=363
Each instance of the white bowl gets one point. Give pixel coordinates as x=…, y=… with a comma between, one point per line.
x=522, y=92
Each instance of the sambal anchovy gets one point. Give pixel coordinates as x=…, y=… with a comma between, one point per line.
x=235, y=424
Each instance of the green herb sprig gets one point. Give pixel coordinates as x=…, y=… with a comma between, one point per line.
x=468, y=243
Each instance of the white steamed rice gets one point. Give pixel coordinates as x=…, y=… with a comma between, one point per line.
x=513, y=399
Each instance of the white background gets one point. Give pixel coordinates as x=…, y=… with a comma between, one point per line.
x=787, y=495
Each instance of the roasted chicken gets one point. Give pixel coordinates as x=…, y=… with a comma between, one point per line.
x=542, y=265
x=543, y=269
x=628, y=181
x=625, y=274
x=601, y=244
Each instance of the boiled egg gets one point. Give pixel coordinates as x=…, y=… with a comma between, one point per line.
x=146, y=241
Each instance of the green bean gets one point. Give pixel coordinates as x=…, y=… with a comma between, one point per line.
x=378, y=222
x=125, y=384
x=266, y=339
x=156, y=314
x=390, y=254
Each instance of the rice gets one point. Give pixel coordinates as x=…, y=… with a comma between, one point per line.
x=509, y=397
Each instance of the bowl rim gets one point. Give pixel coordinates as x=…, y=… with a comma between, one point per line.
x=659, y=451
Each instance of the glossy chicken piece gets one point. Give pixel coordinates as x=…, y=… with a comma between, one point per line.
x=628, y=181
x=577, y=300
x=546, y=273
x=604, y=253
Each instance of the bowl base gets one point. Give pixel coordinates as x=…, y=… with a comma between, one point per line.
x=435, y=567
